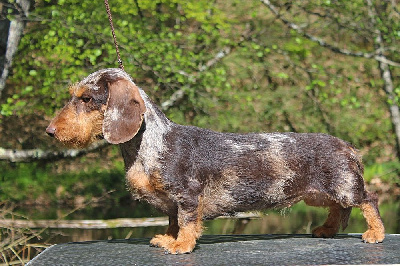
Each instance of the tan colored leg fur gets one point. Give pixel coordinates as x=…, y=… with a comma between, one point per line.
x=376, y=230
x=164, y=241
x=186, y=239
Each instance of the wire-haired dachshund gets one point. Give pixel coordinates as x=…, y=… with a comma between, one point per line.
x=191, y=174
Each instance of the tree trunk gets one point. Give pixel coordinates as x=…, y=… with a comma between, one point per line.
x=14, y=36
x=393, y=106
x=386, y=75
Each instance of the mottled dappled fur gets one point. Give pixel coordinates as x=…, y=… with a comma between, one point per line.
x=191, y=174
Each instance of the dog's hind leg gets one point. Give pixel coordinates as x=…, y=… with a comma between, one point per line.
x=369, y=208
x=338, y=216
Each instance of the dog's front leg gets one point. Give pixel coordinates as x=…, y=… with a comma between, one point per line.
x=190, y=229
x=164, y=241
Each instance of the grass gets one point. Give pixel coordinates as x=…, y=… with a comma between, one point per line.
x=15, y=246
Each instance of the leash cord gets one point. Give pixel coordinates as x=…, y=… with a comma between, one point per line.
x=121, y=66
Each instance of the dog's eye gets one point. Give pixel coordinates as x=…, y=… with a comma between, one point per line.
x=86, y=99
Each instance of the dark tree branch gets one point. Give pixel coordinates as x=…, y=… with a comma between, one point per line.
x=348, y=24
x=379, y=57
x=139, y=10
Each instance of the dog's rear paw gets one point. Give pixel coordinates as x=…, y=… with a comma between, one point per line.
x=325, y=232
x=161, y=241
x=180, y=247
x=373, y=236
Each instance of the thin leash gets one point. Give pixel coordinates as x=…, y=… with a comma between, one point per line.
x=113, y=34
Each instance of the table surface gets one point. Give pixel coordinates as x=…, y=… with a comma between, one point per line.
x=229, y=250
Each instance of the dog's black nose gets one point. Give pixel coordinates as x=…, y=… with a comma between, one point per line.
x=51, y=131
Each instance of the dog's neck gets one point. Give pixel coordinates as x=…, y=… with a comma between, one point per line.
x=148, y=144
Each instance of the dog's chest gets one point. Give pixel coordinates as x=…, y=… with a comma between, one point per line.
x=148, y=187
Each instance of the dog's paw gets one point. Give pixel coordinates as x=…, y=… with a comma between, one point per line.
x=373, y=236
x=325, y=232
x=161, y=241
x=180, y=247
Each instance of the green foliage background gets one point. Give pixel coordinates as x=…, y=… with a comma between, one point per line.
x=268, y=78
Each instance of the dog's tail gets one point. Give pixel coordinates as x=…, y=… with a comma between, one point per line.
x=344, y=217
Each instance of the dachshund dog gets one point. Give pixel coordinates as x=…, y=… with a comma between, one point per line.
x=192, y=174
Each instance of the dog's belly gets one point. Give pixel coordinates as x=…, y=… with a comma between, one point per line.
x=256, y=196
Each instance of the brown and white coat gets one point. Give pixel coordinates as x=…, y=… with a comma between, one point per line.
x=191, y=174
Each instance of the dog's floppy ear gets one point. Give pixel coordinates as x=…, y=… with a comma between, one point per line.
x=124, y=112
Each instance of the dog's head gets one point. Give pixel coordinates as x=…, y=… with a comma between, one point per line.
x=105, y=104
